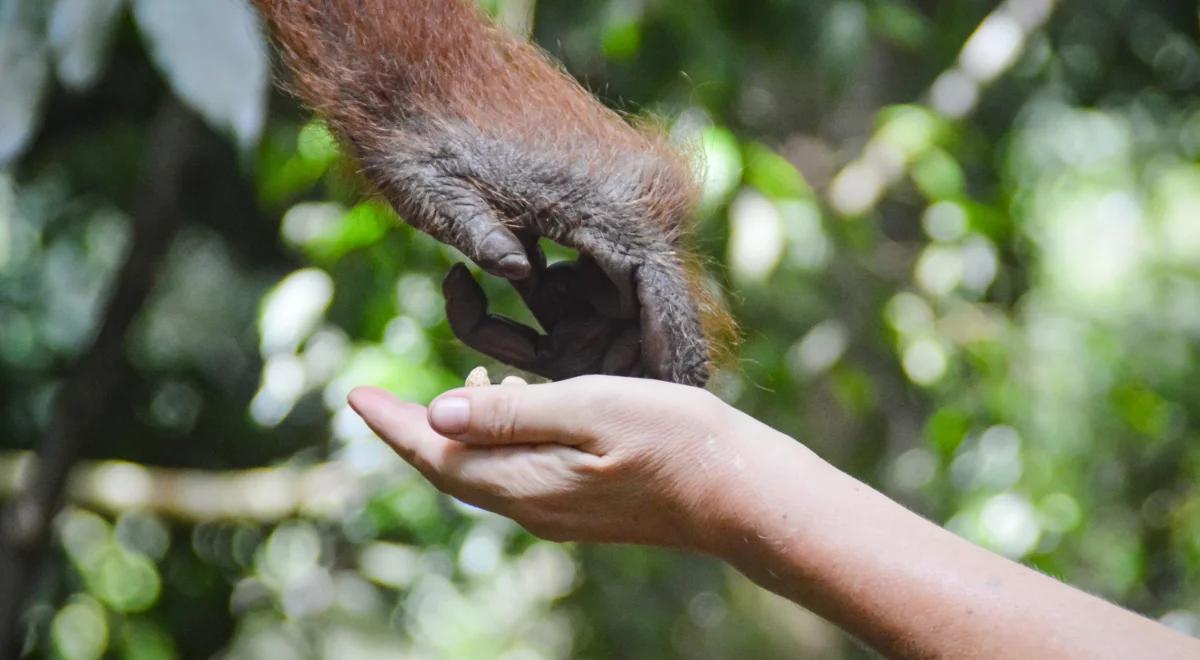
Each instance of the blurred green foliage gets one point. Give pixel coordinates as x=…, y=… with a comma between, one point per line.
x=971, y=281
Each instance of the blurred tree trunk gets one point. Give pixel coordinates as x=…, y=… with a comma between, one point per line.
x=101, y=370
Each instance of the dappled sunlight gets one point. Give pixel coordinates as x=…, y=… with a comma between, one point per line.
x=820, y=349
x=993, y=49
x=755, y=237
x=291, y=311
x=962, y=243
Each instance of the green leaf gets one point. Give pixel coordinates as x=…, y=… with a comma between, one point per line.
x=24, y=72
x=142, y=639
x=773, y=175
x=938, y=175
x=214, y=57
x=317, y=145
x=123, y=580
x=912, y=129
x=947, y=428
x=80, y=630
x=901, y=24
x=363, y=226
x=79, y=36
x=622, y=40
x=722, y=165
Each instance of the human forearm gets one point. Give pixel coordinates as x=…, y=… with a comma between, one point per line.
x=634, y=461
x=903, y=585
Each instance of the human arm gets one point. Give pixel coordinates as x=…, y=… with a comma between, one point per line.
x=618, y=460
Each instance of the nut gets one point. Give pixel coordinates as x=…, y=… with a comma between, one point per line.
x=478, y=377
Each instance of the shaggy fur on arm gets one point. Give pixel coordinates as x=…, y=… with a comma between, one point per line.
x=478, y=139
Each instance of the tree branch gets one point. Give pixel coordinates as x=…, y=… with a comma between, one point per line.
x=267, y=494
x=99, y=372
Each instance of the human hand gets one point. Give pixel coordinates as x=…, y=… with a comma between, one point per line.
x=597, y=459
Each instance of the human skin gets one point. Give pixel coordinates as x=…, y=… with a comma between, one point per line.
x=614, y=460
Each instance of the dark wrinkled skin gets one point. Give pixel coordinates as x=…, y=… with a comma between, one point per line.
x=479, y=140
x=591, y=327
x=624, y=309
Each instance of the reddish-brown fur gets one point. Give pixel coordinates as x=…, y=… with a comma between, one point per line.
x=444, y=59
x=394, y=76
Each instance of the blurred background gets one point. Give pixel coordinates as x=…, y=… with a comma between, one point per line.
x=962, y=238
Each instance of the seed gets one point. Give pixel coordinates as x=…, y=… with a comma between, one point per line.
x=478, y=377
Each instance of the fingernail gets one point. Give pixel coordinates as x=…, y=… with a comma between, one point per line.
x=515, y=266
x=450, y=415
